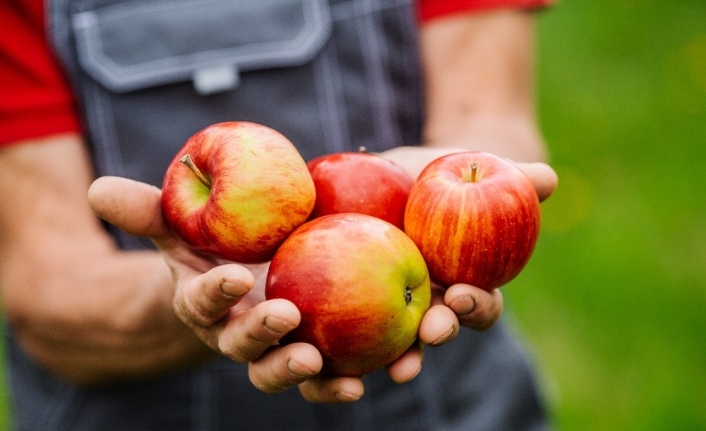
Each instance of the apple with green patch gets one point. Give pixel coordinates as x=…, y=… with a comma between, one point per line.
x=362, y=288
x=236, y=190
x=475, y=217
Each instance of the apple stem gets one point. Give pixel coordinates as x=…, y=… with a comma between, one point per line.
x=189, y=162
x=407, y=295
x=474, y=172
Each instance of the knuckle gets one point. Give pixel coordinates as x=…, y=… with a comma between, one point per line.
x=309, y=393
x=484, y=316
x=234, y=351
x=244, y=347
x=191, y=311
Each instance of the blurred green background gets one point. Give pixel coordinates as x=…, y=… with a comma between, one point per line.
x=612, y=304
x=613, y=301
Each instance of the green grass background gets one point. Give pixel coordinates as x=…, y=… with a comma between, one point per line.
x=613, y=301
x=612, y=304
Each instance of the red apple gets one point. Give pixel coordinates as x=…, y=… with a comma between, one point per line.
x=236, y=190
x=360, y=182
x=361, y=286
x=475, y=217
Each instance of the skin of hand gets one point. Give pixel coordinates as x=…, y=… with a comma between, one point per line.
x=223, y=304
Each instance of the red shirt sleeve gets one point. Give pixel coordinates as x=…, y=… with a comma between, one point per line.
x=35, y=98
x=429, y=9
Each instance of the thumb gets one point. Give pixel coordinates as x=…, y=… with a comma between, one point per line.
x=543, y=177
x=129, y=205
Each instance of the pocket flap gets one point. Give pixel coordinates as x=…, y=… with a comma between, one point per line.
x=139, y=44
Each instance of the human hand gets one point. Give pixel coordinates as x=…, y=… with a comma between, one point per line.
x=415, y=159
x=223, y=303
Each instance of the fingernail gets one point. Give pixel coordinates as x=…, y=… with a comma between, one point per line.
x=232, y=289
x=463, y=305
x=299, y=370
x=277, y=325
x=346, y=397
x=444, y=336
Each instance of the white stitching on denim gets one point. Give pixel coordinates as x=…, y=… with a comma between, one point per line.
x=349, y=9
x=410, y=60
x=380, y=94
x=331, y=112
x=112, y=158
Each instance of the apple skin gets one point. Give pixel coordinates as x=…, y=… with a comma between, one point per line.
x=361, y=286
x=360, y=182
x=480, y=232
x=260, y=191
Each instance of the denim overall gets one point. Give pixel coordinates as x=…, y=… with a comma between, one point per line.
x=330, y=75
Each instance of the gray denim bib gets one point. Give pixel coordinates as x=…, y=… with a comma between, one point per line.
x=331, y=76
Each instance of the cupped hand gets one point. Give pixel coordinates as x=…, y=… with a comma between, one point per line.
x=462, y=304
x=224, y=303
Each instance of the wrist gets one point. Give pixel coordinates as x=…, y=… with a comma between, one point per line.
x=513, y=137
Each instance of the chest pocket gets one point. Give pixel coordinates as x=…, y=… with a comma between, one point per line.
x=154, y=72
x=139, y=44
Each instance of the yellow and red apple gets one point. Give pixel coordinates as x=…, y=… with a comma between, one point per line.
x=361, y=286
x=236, y=190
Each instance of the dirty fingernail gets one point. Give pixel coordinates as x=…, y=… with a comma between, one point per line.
x=277, y=325
x=463, y=305
x=232, y=289
x=346, y=397
x=444, y=336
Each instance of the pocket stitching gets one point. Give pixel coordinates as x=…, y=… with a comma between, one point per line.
x=302, y=48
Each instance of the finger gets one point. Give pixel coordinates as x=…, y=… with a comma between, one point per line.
x=132, y=206
x=332, y=390
x=474, y=307
x=439, y=325
x=406, y=367
x=543, y=177
x=205, y=299
x=282, y=367
x=246, y=335
x=437, y=293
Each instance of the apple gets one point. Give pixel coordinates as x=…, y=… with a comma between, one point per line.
x=360, y=182
x=361, y=286
x=236, y=190
x=475, y=217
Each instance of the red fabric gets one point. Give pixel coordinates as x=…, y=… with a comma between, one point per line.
x=430, y=9
x=35, y=98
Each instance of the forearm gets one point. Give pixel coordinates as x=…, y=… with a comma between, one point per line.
x=82, y=308
x=479, y=84
x=479, y=95
x=87, y=327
